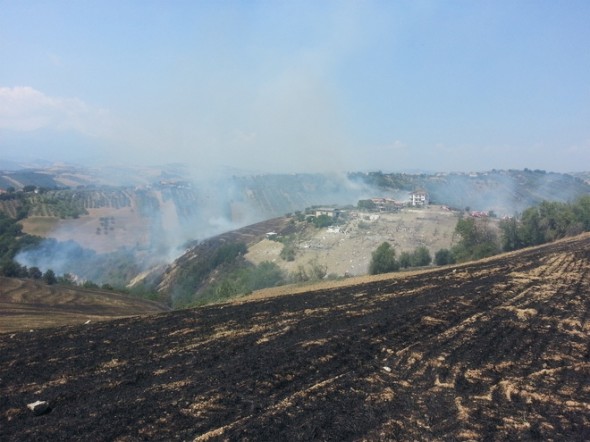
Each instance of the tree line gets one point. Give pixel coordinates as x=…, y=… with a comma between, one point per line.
x=478, y=238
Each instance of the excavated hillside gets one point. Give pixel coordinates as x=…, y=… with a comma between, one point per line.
x=493, y=350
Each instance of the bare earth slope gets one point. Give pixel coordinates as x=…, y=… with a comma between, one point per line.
x=494, y=350
x=26, y=305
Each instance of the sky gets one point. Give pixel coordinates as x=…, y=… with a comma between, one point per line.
x=298, y=86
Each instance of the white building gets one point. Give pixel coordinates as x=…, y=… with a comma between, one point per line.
x=419, y=198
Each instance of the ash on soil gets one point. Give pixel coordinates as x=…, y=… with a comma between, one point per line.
x=493, y=350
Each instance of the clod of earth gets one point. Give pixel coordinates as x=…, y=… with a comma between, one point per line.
x=39, y=407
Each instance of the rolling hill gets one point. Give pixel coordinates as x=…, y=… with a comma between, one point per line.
x=491, y=350
x=152, y=214
x=28, y=304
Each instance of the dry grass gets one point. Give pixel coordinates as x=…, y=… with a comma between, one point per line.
x=30, y=305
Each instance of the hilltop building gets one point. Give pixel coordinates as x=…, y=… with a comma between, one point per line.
x=386, y=205
x=328, y=211
x=419, y=198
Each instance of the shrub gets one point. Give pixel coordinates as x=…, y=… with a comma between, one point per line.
x=288, y=252
x=443, y=257
x=317, y=271
x=405, y=260
x=383, y=260
x=49, y=277
x=421, y=257
x=323, y=221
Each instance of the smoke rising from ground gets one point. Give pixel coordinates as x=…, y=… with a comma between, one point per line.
x=163, y=216
x=175, y=209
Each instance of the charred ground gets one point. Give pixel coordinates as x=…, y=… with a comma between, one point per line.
x=494, y=350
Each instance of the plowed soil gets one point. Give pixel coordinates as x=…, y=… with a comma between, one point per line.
x=27, y=304
x=494, y=350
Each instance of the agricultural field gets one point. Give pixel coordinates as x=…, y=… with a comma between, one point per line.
x=103, y=230
x=26, y=305
x=497, y=349
x=10, y=207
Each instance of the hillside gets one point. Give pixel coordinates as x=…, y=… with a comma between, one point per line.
x=492, y=350
x=27, y=304
x=342, y=249
x=506, y=192
x=126, y=233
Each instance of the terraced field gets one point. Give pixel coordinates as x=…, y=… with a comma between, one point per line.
x=10, y=207
x=493, y=350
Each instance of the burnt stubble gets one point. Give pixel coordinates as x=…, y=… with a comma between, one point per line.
x=493, y=350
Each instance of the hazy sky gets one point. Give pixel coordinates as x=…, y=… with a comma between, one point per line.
x=297, y=86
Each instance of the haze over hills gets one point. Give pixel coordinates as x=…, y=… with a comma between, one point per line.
x=220, y=157
x=126, y=221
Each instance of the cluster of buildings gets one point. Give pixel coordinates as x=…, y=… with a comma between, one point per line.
x=418, y=198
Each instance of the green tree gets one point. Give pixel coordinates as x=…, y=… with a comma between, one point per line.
x=421, y=257
x=581, y=211
x=555, y=218
x=405, y=259
x=511, y=235
x=288, y=252
x=90, y=285
x=66, y=279
x=265, y=274
x=444, y=257
x=323, y=221
x=383, y=260
x=530, y=230
x=477, y=241
x=12, y=269
x=49, y=277
x=35, y=273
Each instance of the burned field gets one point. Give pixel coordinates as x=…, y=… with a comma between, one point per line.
x=28, y=304
x=494, y=350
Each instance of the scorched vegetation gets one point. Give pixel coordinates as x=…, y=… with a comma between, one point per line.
x=492, y=350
